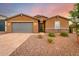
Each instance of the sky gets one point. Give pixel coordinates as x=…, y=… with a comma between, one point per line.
x=33, y=9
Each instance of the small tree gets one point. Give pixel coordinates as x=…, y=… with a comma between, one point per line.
x=74, y=14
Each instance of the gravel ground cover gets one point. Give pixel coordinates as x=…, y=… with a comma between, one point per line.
x=62, y=46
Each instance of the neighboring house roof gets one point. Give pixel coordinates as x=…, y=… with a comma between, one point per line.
x=57, y=17
x=44, y=18
x=2, y=17
x=21, y=15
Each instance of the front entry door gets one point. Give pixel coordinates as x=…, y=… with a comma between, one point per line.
x=41, y=27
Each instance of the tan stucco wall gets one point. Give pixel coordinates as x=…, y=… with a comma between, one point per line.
x=49, y=25
x=21, y=19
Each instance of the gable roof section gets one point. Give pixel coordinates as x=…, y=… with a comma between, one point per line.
x=20, y=15
x=40, y=16
x=58, y=16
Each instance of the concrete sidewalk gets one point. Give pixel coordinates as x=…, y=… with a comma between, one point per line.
x=9, y=42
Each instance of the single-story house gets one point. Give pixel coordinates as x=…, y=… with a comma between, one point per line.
x=38, y=23
x=57, y=24
x=21, y=23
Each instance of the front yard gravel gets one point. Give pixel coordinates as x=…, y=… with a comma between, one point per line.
x=62, y=46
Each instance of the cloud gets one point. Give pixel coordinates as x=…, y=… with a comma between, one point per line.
x=53, y=9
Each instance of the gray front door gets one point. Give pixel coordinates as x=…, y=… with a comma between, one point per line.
x=22, y=27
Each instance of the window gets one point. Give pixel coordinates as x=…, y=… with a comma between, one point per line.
x=57, y=24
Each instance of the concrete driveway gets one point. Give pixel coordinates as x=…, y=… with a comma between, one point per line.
x=9, y=42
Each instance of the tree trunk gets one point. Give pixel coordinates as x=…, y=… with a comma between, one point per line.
x=77, y=39
x=77, y=34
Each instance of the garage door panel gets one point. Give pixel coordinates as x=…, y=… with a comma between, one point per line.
x=22, y=27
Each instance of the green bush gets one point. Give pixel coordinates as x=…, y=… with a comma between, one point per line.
x=64, y=34
x=50, y=39
x=51, y=34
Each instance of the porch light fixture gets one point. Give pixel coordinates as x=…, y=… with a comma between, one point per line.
x=35, y=23
x=8, y=24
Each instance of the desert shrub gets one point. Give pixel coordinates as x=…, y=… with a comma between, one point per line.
x=64, y=34
x=50, y=39
x=50, y=34
x=40, y=36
